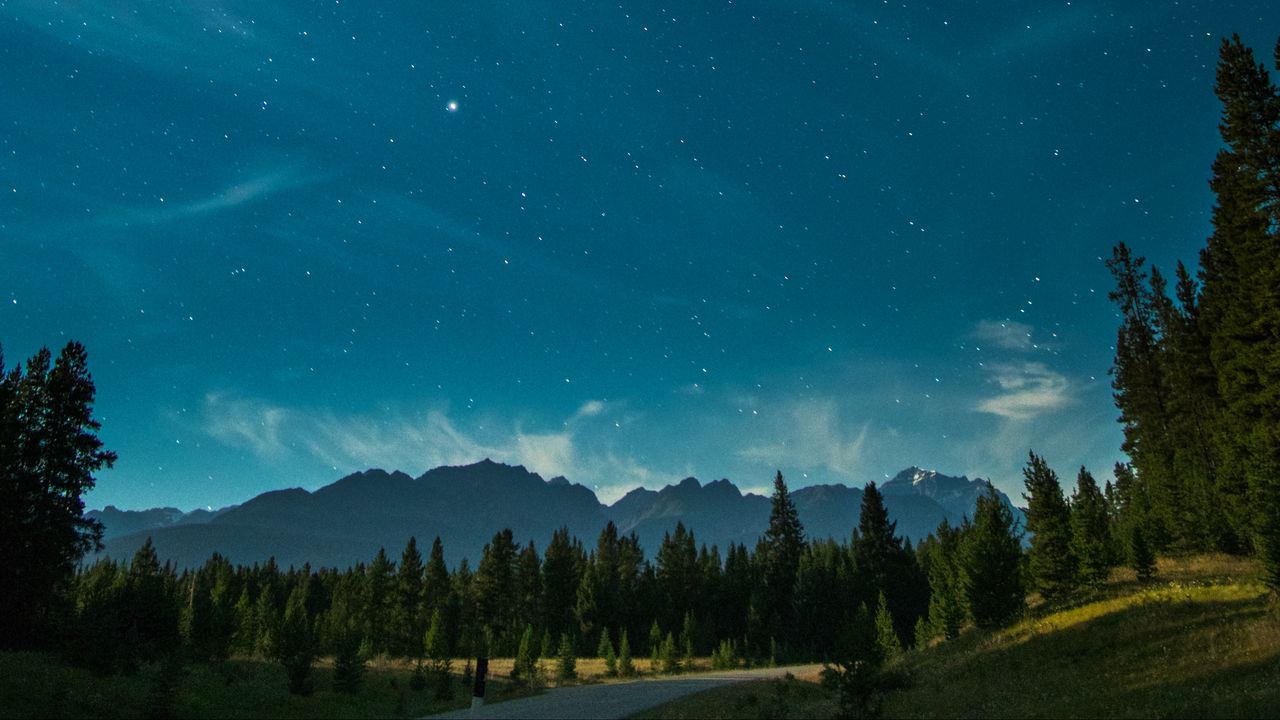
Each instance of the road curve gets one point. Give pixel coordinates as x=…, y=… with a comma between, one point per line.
x=618, y=700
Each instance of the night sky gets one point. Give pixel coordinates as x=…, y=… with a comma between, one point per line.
x=620, y=242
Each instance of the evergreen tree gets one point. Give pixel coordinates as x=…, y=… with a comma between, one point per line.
x=886, y=636
x=626, y=668
x=857, y=660
x=884, y=565
x=1140, y=391
x=408, y=619
x=1090, y=530
x=343, y=634
x=380, y=601
x=435, y=583
x=991, y=563
x=688, y=632
x=525, y=667
x=435, y=646
x=495, y=589
x=780, y=550
x=49, y=452
x=947, y=608
x=1053, y=563
x=669, y=655
x=561, y=575
x=1240, y=308
x=1141, y=557
x=295, y=642
x=677, y=574
x=151, y=611
x=567, y=663
x=605, y=651
x=655, y=645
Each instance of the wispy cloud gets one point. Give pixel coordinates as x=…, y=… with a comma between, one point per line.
x=1027, y=390
x=1005, y=334
x=347, y=442
x=259, y=187
x=810, y=434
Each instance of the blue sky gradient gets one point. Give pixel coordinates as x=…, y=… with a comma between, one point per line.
x=620, y=243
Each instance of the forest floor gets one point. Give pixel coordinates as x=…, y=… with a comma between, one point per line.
x=1201, y=640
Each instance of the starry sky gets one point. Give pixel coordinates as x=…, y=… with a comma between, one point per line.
x=624, y=243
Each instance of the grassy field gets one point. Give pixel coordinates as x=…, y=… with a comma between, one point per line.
x=37, y=685
x=40, y=685
x=1203, y=640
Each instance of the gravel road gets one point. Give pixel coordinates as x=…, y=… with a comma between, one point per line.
x=618, y=700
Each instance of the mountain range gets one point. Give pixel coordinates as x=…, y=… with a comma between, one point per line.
x=346, y=522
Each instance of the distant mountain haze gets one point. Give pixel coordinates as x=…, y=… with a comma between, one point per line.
x=346, y=522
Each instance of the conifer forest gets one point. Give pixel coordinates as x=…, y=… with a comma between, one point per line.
x=1196, y=386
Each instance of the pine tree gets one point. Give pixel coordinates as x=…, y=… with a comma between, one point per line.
x=779, y=555
x=494, y=587
x=946, y=599
x=435, y=646
x=669, y=655
x=295, y=641
x=561, y=575
x=380, y=602
x=344, y=635
x=886, y=636
x=1141, y=557
x=567, y=663
x=1090, y=530
x=884, y=565
x=991, y=563
x=857, y=660
x=1053, y=564
x=688, y=632
x=655, y=646
x=408, y=620
x=525, y=668
x=626, y=668
x=1240, y=307
x=49, y=452
x=604, y=651
x=923, y=633
x=1140, y=391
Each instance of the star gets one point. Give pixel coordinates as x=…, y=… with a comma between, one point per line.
x=451, y=106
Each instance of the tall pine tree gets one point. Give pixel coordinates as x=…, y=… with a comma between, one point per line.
x=1054, y=569
x=49, y=452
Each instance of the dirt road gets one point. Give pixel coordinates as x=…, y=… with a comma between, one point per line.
x=618, y=700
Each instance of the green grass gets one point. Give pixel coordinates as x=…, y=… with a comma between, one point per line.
x=38, y=685
x=1203, y=640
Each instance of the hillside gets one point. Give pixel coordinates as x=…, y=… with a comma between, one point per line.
x=1203, y=640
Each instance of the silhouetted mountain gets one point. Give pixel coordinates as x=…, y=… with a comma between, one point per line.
x=958, y=495
x=346, y=522
x=117, y=522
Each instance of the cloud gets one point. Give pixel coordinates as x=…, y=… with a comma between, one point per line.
x=1005, y=334
x=590, y=408
x=415, y=442
x=810, y=434
x=256, y=188
x=1027, y=390
x=249, y=424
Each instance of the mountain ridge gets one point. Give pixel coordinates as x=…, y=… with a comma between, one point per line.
x=346, y=521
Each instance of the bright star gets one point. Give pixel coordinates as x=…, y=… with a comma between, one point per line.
x=452, y=106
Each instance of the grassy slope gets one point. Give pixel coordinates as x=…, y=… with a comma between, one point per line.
x=1202, y=641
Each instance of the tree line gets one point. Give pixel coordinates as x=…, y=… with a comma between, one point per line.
x=1197, y=368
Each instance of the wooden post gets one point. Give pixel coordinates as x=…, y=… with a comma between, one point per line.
x=477, y=691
